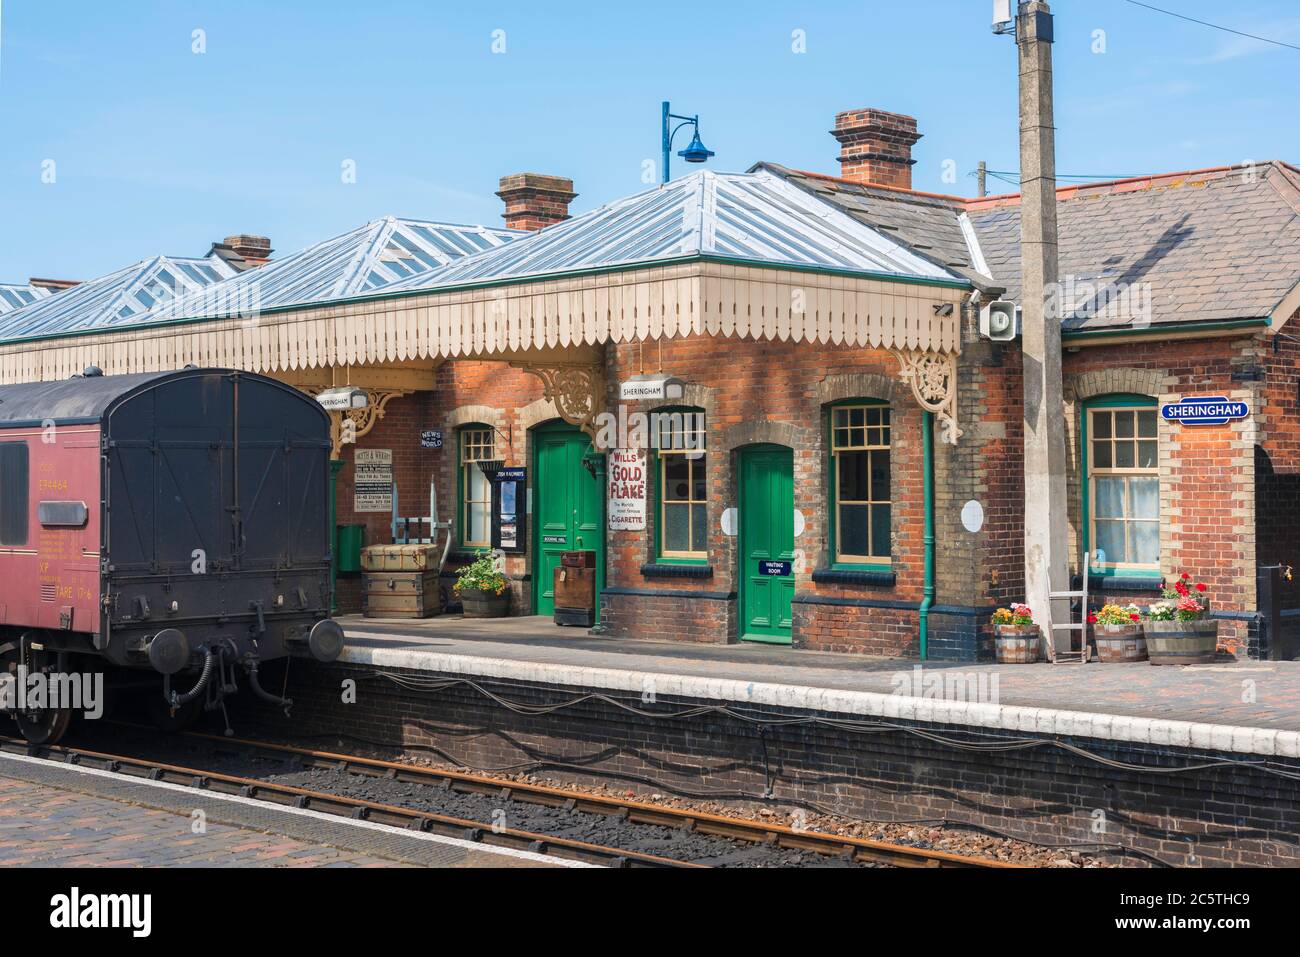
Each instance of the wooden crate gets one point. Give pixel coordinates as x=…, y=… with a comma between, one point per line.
x=401, y=595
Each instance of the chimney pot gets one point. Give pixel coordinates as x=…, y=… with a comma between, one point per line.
x=876, y=147
x=535, y=200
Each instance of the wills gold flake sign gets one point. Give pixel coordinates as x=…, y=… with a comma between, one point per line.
x=373, y=481
x=627, y=490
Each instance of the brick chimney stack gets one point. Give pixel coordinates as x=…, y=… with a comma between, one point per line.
x=876, y=147
x=256, y=250
x=534, y=200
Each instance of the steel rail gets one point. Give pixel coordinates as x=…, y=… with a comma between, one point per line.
x=342, y=806
x=856, y=849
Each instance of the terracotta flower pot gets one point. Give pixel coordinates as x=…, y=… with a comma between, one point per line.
x=1117, y=644
x=1182, y=642
x=484, y=604
x=1017, y=644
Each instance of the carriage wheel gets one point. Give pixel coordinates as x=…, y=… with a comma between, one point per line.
x=46, y=726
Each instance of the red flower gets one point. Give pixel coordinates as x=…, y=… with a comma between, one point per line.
x=1201, y=586
x=1186, y=576
x=1135, y=616
x=1181, y=588
x=1092, y=619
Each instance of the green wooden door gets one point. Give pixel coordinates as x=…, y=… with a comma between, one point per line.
x=766, y=543
x=567, y=508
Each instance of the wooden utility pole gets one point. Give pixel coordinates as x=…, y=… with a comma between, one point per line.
x=1046, y=538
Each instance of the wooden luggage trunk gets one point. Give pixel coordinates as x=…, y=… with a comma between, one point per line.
x=575, y=589
x=401, y=595
x=399, y=558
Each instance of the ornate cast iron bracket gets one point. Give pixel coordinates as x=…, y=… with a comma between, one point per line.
x=359, y=422
x=933, y=378
x=578, y=391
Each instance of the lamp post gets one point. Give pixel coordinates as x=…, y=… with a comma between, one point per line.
x=695, y=152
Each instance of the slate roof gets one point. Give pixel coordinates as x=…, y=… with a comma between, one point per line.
x=1204, y=247
x=1197, y=247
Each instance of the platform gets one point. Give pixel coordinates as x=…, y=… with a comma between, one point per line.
x=1242, y=707
x=54, y=815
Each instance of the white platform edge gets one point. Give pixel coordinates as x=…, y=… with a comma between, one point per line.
x=1083, y=724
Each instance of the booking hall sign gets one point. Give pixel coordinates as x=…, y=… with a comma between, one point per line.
x=627, y=490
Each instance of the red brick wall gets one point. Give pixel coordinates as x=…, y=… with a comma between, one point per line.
x=457, y=384
x=1277, y=473
x=752, y=392
x=1207, y=472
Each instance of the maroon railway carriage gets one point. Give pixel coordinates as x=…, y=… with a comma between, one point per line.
x=174, y=524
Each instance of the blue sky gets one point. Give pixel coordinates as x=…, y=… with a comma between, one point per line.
x=159, y=149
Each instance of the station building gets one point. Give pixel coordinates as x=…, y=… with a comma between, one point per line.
x=842, y=467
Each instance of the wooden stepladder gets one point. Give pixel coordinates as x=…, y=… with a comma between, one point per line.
x=1078, y=655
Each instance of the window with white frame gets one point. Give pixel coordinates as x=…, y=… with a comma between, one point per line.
x=1123, y=488
x=477, y=444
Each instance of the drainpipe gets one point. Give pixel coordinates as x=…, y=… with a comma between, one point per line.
x=336, y=466
x=927, y=468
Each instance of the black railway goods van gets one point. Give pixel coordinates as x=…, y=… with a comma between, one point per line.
x=174, y=523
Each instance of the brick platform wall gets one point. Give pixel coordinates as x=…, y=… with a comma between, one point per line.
x=1233, y=816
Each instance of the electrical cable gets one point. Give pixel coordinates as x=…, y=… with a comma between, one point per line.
x=1213, y=26
x=429, y=685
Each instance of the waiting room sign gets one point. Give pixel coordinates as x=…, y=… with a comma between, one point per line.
x=1204, y=410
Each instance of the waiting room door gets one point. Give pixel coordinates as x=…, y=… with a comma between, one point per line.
x=766, y=550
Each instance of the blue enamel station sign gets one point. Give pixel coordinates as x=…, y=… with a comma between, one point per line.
x=1204, y=410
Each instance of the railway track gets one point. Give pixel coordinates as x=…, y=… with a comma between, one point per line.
x=342, y=806
x=846, y=849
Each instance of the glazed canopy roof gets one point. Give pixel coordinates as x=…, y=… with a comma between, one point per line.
x=120, y=298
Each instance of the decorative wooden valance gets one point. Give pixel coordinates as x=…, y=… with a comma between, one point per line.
x=645, y=304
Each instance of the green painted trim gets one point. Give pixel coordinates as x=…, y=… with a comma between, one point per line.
x=1113, y=401
x=927, y=469
x=514, y=281
x=831, y=496
x=860, y=567
x=1084, y=334
x=652, y=462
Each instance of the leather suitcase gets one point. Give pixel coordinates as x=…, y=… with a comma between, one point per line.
x=401, y=595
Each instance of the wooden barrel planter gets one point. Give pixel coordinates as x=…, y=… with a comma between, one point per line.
x=1016, y=644
x=1119, y=644
x=484, y=604
x=1182, y=642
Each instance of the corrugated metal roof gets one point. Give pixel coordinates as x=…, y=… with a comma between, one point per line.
x=750, y=217
x=116, y=299
x=15, y=295
x=370, y=257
